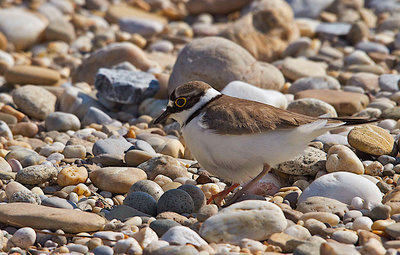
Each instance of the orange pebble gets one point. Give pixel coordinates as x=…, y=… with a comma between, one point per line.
x=10, y=110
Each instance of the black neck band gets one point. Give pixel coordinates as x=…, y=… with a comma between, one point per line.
x=197, y=112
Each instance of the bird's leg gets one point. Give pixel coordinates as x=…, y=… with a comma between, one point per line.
x=238, y=194
x=217, y=198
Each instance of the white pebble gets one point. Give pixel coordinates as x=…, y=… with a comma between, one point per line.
x=362, y=222
x=129, y=246
x=357, y=203
x=73, y=197
x=24, y=237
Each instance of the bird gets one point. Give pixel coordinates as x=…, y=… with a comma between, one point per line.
x=241, y=140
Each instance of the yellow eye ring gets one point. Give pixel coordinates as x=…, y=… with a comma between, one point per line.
x=180, y=102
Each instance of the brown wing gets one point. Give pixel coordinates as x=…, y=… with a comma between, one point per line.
x=229, y=115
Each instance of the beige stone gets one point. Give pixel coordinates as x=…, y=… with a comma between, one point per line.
x=35, y=75
x=72, y=175
x=109, y=56
x=27, y=129
x=372, y=139
x=325, y=217
x=173, y=148
x=346, y=103
x=265, y=31
x=136, y=157
x=296, y=68
x=375, y=168
x=117, y=179
x=116, y=12
x=3, y=41
x=45, y=217
x=341, y=158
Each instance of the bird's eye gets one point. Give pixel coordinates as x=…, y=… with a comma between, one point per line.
x=180, y=102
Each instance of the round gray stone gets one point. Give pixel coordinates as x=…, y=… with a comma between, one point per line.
x=26, y=157
x=36, y=174
x=148, y=186
x=61, y=121
x=175, y=200
x=163, y=225
x=199, y=199
x=142, y=201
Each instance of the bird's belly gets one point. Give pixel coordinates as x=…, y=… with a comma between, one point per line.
x=238, y=158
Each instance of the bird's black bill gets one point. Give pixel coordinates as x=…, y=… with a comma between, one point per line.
x=163, y=117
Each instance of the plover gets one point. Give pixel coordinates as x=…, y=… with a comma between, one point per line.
x=237, y=139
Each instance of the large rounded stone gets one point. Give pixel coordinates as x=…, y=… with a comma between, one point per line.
x=252, y=219
x=372, y=139
x=344, y=186
x=342, y=158
x=44, y=217
x=109, y=56
x=175, y=200
x=21, y=27
x=26, y=157
x=265, y=30
x=36, y=102
x=218, y=61
x=117, y=179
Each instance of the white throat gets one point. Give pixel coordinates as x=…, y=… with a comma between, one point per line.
x=182, y=116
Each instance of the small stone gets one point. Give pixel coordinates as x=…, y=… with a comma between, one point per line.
x=295, y=68
x=256, y=220
x=311, y=107
x=298, y=232
x=373, y=246
x=136, y=157
x=183, y=235
x=206, y=211
x=62, y=121
x=117, y=179
x=36, y=174
x=374, y=169
x=161, y=226
x=362, y=223
x=126, y=87
x=149, y=187
x=57, y=203
x=24, y=237
x=341, y=158
x=72, y=175
x=322, y=204
x=141, y=26
x=311, y=162
x=389, y=82
x=306, y=83
x=25, y=197
x=116, y=146
x=338, y=248
x=74, y=151
x=60, y=30
x=103, y=250
x=36, y=102
x=123, y=213
x=346, y=237
x=175, y=200
x=324, y=217
x=127, y=246
x=27, y=129
x=164, y=165
x=199, y=199
x=372, y=140
x=95, y=116
x=142, y=201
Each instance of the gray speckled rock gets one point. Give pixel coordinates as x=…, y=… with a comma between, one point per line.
x=36, y=174
x=25, y=196
x=116, y=146
x=123, y=212
x=125, y=87
x=150, y=187
x=163, y=225
x=312, y=161
x=199, y=199
x=62, y=121
x=35, y=101
x=142, y=201
x=305, y=83
x=175, y=200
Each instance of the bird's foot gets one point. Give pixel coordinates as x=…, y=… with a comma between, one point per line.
x=217, y=198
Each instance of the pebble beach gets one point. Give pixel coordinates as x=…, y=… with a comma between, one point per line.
x=84, y=169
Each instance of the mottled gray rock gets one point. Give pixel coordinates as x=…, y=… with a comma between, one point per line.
x=36, y=174
x=199, y=199
x=175, y=200
x=112, y=145
x=161, y=226
x=148, y=186
x=62, y=121
x=125, y=87
x=26, y=157
x=305, y=83
x=25, y=196
x=322, y=204
x=142, y=201
x=312, y=161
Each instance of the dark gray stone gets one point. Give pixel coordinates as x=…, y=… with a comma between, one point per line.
x=26, y=157
x=123, y=212
x=95, y=115
x=114, y=146
x=142, y=201
x=162, y=225
x=380, y=212
x=125, y=87
x=199, y=199
x=175, y=200
x=25, y=197
x=148, y=186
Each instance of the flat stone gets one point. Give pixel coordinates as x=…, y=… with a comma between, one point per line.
x=117, y=179
x=307, y=83
x=215, y=7
x=346, y=103
x=43, y=217
x=391, y=113
x=322, y=204
x=311, y=107
x=34, y=75
x=124, y=212
x=125, y=87
x=294, y=68
x=183, y=235
x=256, y=220
x=62, y=121
x=113, y=145
x=164, y=165
x=163, y=225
